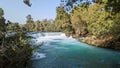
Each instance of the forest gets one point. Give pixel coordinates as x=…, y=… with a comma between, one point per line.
x=97, y=21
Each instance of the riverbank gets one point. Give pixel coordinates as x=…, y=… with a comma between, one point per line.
x=108, y=41
x=102, y=41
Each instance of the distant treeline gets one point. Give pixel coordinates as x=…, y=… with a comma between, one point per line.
x=33, y=26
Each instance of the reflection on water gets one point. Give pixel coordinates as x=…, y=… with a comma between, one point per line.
x=62, y=52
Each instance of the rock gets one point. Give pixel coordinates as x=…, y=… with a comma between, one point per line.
x=67, y=34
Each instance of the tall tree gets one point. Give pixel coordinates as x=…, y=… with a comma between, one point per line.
x=79, y=25
x=30, y=23
x=2, y=20
x=62, y=21
x=37, y=26
x=1, y=12
x=29, y=18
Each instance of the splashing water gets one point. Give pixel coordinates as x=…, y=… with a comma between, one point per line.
x=60, y=51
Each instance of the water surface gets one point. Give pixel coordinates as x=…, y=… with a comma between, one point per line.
x=60, y=51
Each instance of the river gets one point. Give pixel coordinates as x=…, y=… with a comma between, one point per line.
x=60, y=51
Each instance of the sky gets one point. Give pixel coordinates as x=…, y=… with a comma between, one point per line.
x=16, y=10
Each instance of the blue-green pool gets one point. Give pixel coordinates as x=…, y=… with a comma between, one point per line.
x=60, y=51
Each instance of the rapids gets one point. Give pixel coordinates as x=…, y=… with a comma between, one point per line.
x=59, y=51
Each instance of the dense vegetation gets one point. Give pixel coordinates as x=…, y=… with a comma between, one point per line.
x=15, y=52
x=33, y=26
x=97, y=21
x=44, y=25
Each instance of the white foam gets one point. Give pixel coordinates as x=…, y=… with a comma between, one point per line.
x=37, y=56
x=63, y=35
x=46, y=38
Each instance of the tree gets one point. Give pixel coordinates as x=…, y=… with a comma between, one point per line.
x=37, y=26
x=13, y=27
x=1, y=12
x=62, y=21
x=29, y=18
x=109, y=5
x=13, y=47
x=2, y=20
x=30, y=23
x=79, y=25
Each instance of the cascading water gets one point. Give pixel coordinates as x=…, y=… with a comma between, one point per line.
x=59, y=51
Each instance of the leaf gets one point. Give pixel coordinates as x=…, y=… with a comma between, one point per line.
x=27, y=2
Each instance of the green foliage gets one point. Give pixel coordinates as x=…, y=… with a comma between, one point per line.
x=109, y=5
x=15, y=52
x=100, y=18
x=102, y=22
x=29, y=19
x=62, y=21
x=30, y=23
x=95, y=20
x=43, y=25
x=13, y=27
x=78, y=23
x=2, y=20
x=2, y=24
x=1, y=12
x=37, y=26
x=115, y=25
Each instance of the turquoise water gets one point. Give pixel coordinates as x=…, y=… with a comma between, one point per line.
x=60, y=51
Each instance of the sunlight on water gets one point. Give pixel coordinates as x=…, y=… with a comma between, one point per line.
x=60, y=51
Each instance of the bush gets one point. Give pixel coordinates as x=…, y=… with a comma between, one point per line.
x=15, y=52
